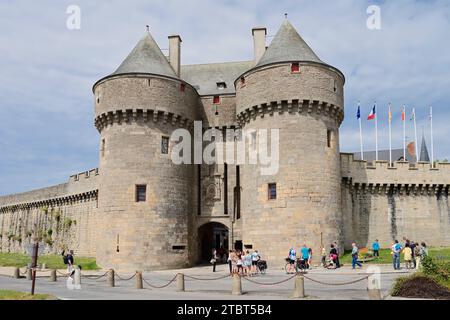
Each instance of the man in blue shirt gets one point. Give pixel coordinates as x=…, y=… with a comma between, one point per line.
x=396, y=249
x=305, y=255
x=376, y=249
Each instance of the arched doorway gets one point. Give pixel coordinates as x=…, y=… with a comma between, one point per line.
x=212, y=235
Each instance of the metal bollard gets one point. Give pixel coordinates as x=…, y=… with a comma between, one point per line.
x=110, y=278
x=237, y=285
x=16, y=273
x=180, y=282
x=299, y=287
x=77, y=281
x=29, y=274
x=139, y=284
x=53, y=275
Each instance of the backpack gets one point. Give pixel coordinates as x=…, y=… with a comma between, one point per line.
x=66, y=259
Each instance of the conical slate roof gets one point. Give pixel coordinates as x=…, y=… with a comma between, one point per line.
x=424, y=157
x=287, y=45
x=146, y=57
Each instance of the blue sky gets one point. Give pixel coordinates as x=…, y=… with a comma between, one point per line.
x=47, y=70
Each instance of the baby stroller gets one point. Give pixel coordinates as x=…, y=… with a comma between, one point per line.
x=302, y=265
x=262, y=266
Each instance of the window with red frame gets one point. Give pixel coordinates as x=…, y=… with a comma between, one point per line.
x=216, y=99
x=295, y=67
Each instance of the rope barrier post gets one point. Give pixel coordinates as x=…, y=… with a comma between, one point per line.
x=29, y=274
x=110, y=278
x=180, y=282
x=373, y=287
x=237, y=285
x=139, y=284
x=77, y=278
x=16, y=273
x=53, y=275
x=299, y=287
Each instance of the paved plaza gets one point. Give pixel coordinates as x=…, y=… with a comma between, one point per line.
x=95, y=288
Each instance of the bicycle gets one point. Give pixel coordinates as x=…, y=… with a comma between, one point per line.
x=300, y=265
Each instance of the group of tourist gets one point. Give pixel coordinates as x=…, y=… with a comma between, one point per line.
x=413, y=253
x=303, y=261
x=244, y=263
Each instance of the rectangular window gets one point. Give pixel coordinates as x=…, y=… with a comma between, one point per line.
x=165, y=145
x=182, y=87
x=178, y=247
x=272, y=191
x=216, y=99
x=295, y=67
x=103, y=147
x=141, y=191
x=329, y=133
x=221, y=85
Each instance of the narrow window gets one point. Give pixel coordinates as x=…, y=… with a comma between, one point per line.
x=237, y=195
x=225, y=188
x=182, y=87
x=199, y=189
x=165, y=145
x=295, y=67
x=178, y=247
x=141, y=191
x=329, y=133
x=216, y=99
x=103, y=147
x=149, y=82
x=242, y=80
x=272, y=191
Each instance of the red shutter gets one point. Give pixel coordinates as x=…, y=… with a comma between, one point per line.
x=182, y=87
x=295, y=67
x=216, y=99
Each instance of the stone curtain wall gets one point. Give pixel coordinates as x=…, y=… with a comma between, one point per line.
x=63, y=216
x=384, y=203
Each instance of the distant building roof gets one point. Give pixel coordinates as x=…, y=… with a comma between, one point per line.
x=383, y=155
x=424, y=157
x=287, y=45
x=146, y=57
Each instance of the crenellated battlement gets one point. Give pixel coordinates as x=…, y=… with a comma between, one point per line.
x=291, y=107
x=140, y=115
x=401, y=173
x=83, y=175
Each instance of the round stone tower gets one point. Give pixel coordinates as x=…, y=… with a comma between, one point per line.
x=144, y=200
x=291, y=90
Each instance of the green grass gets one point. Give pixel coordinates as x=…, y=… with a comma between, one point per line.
x=386, y=257
x=52, y=261
x=16, y=295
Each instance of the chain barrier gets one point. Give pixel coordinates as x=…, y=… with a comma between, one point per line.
x=160, y=287
x=269, y=284
x=126, y=279
x=94, y=277
x=337, y=284
x=206, y=279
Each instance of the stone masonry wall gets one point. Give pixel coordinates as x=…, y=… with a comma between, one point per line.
x=388, y=203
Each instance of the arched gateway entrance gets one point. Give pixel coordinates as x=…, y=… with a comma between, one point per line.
x=212, y=235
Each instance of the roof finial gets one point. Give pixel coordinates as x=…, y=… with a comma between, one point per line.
x=148, y=28
x=285, y=15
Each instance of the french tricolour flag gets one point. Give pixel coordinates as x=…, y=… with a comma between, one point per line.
x=372, y=114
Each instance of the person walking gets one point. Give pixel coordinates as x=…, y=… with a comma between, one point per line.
x=255, y=259
x=338, y=264
x=423, y=252
x=413, y=253
x=248, y=263
x=376, y=248
x=396, y=249
x=305, y=256
x=333, y=256
x=416, y=256
x=229, y=260
x=323, y=257
x=214, y=258
x=292, y=257
x=407, y=256
x=355, y=252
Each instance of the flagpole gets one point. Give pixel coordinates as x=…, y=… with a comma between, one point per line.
x=376, y=132
x=404, y=133
x=390, y=137
x=360, y=132
x=415, y=135
x=432, y=144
